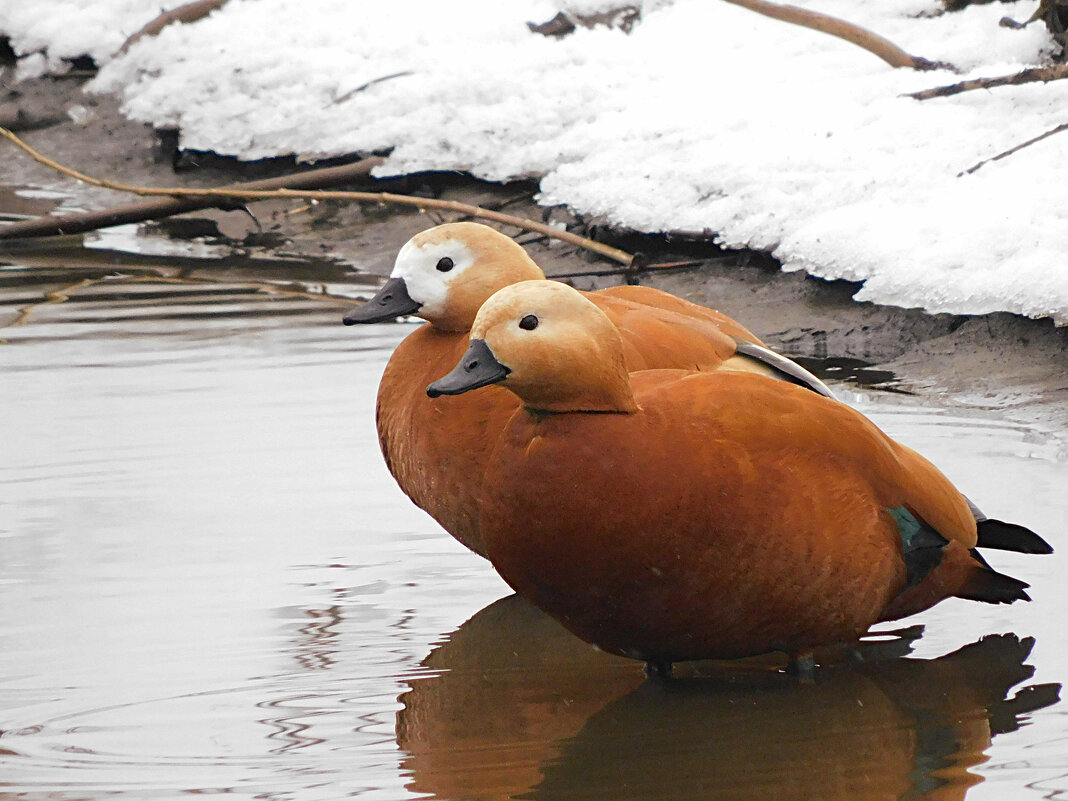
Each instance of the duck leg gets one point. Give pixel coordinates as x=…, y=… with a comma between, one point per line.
x=659, y=669
x=802, y=665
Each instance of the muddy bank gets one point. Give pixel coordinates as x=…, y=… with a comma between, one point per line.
x=998, y=361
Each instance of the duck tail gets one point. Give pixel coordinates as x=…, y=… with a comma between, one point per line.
x=989, y=586
x=1003, y=536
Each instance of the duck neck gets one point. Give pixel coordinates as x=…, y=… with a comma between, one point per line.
x=613, y=396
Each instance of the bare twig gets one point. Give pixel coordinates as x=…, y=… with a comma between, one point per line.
x=211, y=197
x=1031, y=75
x=161, y=206
x=371, y=83
x=862, y=37
x=188, y=12
x=1011, y=150
x=1046, y=11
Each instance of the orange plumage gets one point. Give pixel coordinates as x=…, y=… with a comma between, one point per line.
x=671, y=515
x=437, y=451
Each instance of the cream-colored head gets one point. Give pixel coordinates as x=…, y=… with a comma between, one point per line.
x=451, y=270
x=555, y=349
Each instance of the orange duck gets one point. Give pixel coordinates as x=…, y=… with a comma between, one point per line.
x=437, y=451
x=671, y=515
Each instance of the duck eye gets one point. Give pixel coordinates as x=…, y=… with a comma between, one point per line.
x=529, y=323
x=444, y=264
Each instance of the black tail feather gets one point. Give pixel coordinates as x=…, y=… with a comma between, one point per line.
x=1003, y=536
x=992, y=587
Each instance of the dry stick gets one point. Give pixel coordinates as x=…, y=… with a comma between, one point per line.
x=873, y=43
x=162, y=206
x=1031, y=75
x=202, y=197
x=188, y=12
x=371, y=83
x=1011, y=150
x=669, y=265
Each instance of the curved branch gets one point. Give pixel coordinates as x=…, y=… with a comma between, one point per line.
x=203, y=198
x=862, y=37
x=188, y=12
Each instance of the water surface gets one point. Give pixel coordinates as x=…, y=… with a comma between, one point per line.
x=210, y=584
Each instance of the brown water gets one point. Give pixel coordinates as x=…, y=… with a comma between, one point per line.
x=209, y=584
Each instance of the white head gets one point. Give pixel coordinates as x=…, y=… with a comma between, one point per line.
x=446, y=273
x=430, y=263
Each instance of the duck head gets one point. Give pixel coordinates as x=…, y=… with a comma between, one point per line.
x=550, y=346
x=445, y=274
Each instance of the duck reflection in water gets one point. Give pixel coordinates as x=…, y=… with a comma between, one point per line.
x=521, y=708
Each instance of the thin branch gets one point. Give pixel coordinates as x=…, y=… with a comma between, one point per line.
x=862, y=37
x=1046, y=9
x=163, y=206
x=1032, y=75
x=1011, y=150
x=188, y=12
x=371, y=83
x=246, y=193
x=631, y=270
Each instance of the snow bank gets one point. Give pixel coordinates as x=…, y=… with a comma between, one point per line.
x=706, y=117
x=71, y=28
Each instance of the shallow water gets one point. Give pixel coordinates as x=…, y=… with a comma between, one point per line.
x=210, y=584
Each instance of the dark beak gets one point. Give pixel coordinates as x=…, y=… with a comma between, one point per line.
x=478, y=368
x=392, y=301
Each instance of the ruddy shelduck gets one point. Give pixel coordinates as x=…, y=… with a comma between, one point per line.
x=671, y=515
x=437, y=452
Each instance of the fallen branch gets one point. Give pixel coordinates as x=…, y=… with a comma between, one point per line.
x=1031, y=75
x=631, y=270
x=188, y=12
x=1011, y=150
x=204, y=198
x=862, y=37
x=167, y=205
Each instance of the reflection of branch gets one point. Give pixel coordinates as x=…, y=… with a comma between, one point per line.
x=1032, y=75
x=55, y=296
x=873, y=43
x=66, y=225
x=62, y=295
x=188, y=12
x=260, y=286
x=1011, y=150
